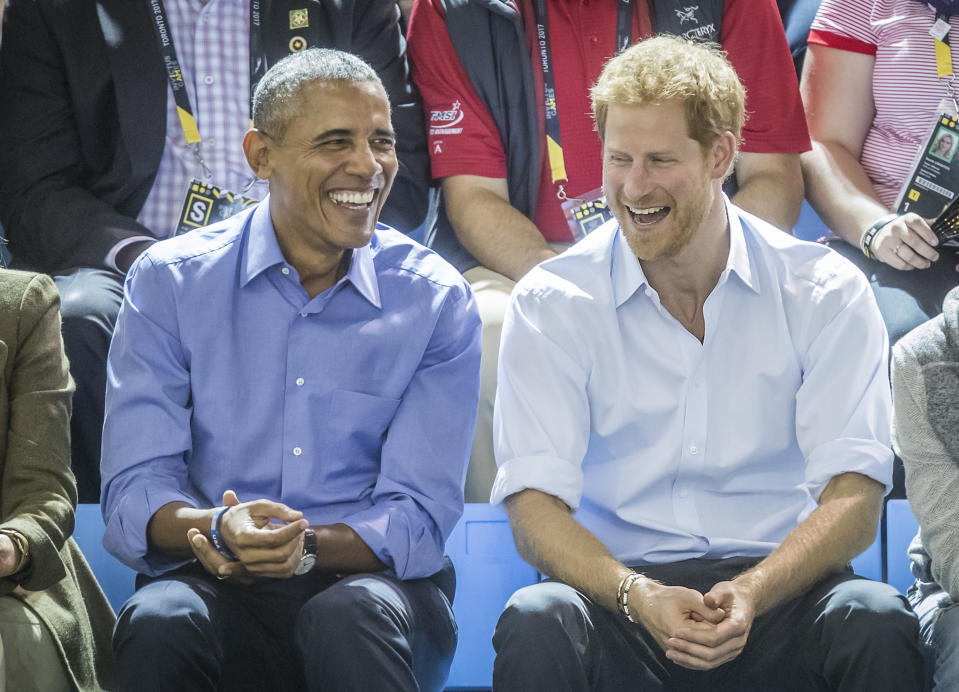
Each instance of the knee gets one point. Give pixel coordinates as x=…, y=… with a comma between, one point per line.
x=351, y=611
x=539, y=616
x=874, y=613
x=162, y=616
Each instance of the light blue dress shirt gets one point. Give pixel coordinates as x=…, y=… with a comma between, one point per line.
x=669, y=448
x=357, y=406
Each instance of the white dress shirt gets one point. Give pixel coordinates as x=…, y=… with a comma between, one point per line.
x=668, y=448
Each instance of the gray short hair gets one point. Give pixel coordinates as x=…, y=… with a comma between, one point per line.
x=278, y=91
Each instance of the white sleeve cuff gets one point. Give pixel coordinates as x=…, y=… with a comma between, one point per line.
x=547, y=474
x=111, y=258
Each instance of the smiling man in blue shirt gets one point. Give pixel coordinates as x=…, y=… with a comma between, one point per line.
x=321, y=368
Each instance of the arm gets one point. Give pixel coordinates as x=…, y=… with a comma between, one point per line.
x=418, y=495
x=47, y=208
x=498, y=235
x=932, y=469
x=378, y=39
x=770, y=186
x=841, y=527
x=39, y=493
x=837, y=92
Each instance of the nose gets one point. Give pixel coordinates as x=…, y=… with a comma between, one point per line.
x=638, y=183
x=363, y=161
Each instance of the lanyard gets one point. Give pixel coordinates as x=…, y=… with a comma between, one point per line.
x=299, y=23
x=554, y=148
x=940, y=37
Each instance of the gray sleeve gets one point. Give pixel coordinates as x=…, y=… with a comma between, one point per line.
x=932, y=469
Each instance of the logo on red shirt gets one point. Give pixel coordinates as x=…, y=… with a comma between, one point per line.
x=444, y=119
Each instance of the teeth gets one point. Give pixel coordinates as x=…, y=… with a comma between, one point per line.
x=352, y=197
x=643, y=212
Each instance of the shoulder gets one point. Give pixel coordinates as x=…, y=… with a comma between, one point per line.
x=399, y=258
x=199, y=246
x=809, y=269
x=26, y=292
x=936, y=340
x=580, y=275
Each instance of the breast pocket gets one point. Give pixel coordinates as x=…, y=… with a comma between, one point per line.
x=357, y=425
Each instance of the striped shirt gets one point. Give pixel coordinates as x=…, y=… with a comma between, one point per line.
x=905, y=86
x=212, y=44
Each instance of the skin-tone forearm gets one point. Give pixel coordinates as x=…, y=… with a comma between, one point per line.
x=771, y=187
x=841, y=527
x=498, y=235
x=168, y=527
x=548, y=538
x=179, y=530
x=340, y=549
x=839, y=190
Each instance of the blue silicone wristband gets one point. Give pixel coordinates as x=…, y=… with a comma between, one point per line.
x=218, y=541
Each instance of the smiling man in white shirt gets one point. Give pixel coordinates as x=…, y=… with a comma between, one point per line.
x=692, y=426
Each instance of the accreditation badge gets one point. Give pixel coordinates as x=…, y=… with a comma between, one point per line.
x=934, y=181
x=205, y=204
x=586, y=213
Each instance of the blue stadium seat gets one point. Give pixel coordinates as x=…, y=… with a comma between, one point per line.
x=901, y=528
x=116, y=579
x=869, y=563
x=810, y=226
x=488, y=571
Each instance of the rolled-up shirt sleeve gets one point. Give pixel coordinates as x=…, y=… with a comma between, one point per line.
x=541, y=420
x=418, y=496
x=844, y=406
x=146, y=434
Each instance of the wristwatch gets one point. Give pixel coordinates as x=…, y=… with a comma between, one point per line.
x=308, y=559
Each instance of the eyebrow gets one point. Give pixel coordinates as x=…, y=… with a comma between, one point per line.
x=345, y=132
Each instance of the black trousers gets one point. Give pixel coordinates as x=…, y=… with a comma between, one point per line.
x=846, y=633
x=187, y=631
x=89, y=302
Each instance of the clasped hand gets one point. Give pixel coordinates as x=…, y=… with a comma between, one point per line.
x=695, y=630
x=263, y=547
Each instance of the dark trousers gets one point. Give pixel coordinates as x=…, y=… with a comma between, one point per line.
x=846, y=633
x=187, y=631
x=89, y=302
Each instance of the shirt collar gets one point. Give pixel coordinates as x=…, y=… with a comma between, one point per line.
x=628, y=276
x=738, y=261
x=263, y=252
x=362, y=274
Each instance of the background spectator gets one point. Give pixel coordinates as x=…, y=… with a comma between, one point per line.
x=55, y=623
x=872, y=92
x=925, y=385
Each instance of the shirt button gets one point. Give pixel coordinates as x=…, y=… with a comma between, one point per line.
x=297, y=451
x=209, y=79
x=285, y=271
x=300, y=381
x=683, y=493
x=302, y=314
x=211, y=141
x=693, y=449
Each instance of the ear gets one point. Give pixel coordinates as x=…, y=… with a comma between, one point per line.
x=722, y=155
x=256, y=147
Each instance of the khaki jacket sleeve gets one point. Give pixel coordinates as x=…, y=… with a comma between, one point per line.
x=38, y=492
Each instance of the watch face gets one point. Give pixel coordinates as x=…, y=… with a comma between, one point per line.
x=306, y=564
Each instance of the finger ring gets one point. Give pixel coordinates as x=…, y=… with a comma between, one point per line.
x=222, y=577
x=898, y=248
